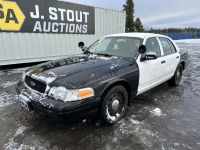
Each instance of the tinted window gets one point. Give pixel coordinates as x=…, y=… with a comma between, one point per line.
x=153, y=46
x=168, y=47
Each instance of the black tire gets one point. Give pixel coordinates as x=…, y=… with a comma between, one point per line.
x=176, y=79
x=114, y=105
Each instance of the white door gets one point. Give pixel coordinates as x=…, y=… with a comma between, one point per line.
x=150, y=71
x=171, y=57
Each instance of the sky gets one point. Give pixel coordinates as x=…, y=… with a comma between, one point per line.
x=157, y=13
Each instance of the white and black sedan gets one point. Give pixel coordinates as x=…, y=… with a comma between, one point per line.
x=103, y=79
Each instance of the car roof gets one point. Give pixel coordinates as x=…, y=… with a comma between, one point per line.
x=136, y=35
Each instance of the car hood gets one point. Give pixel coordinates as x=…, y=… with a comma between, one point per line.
x=76, y=68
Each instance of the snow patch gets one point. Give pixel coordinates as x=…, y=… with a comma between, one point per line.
x=11, y=145
x=8, y=84
x=147, y=132
x=106, y=58
x=114, y=140
x=6, y=100
x=92, y=75
x=81, y=59
x=20, y=130
x=43, y=78
x=113, y=66
x=112, y=118
x=53, y=74
x=176, y=144
x=156, y=112
x=188, y=41
x=93, y=56
x=134, y=121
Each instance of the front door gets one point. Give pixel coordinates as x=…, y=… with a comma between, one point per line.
x=150, y=71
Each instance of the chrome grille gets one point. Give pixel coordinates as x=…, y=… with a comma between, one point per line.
x=35, y=84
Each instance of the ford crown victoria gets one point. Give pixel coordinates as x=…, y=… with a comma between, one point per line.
x=103, y=79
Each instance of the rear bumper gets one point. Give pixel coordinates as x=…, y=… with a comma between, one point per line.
x=185, y=59
x=58, y=110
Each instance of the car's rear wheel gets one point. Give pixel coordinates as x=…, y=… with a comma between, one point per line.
x=176, y=79
x=114, y=105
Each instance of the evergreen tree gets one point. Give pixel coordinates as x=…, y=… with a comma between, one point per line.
x=174, y=30
x=138, y=25
x=129, y=8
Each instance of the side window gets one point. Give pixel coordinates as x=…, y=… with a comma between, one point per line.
x=172, y=46
x=168, y=47
x=152, y=45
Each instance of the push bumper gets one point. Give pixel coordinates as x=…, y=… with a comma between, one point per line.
x=57, y=110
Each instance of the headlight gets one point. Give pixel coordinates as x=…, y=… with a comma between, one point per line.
x=61, y=93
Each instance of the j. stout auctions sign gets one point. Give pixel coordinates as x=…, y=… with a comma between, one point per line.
x=46, y=16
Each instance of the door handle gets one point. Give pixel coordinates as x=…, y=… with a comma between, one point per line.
x=177, y=57
x=162, y=62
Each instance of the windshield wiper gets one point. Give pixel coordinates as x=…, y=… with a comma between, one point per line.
x=104, y=54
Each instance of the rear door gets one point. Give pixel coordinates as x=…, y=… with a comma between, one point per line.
x=171, y=58
x=150, y=71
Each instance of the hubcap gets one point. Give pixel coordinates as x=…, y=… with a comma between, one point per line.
x=115, y=105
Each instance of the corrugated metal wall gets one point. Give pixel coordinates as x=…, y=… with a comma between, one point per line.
x=32, y=47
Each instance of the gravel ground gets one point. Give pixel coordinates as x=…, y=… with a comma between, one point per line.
x=164, y=118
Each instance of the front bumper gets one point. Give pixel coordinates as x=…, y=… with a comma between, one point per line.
x=58, y=110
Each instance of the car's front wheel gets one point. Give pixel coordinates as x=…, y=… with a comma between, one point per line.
x=114, y=105
x=176, y=79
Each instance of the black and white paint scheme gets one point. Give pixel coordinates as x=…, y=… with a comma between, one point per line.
x=102, y=80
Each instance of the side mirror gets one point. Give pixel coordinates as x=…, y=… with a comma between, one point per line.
x=82, y=46
x=142, y=49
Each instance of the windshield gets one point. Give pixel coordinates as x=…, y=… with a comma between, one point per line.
x=116, y=46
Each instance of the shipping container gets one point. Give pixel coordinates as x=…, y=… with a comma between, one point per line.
x=42, y=30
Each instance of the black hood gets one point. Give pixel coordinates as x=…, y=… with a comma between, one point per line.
x=78, y=68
